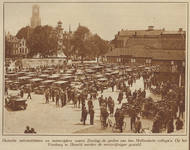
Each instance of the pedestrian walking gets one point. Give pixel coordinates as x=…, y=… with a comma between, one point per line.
x=29, y=91
x=47, y=96
x=92, y=115
x=57, y=98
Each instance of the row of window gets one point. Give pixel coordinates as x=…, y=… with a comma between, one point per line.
x=148, y=61
x=20, y=50
x=20, y=44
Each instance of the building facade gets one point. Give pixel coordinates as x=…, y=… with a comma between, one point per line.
x=165, y=49
x=19, y=48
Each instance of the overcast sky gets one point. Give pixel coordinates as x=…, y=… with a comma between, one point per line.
x=105, y=19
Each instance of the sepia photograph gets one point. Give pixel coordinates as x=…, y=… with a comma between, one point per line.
x=95, y=69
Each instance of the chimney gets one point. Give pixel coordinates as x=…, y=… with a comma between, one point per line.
x=79, y=24
x=163, y=29
x=180, y=29
x=121, y=29
x=150, y=28
x=118, y=32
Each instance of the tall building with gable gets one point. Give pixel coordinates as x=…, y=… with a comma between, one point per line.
x=35, y=19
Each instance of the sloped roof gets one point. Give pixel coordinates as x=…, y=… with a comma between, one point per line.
x=140, y=32
x=174, y=32
x=129, y=52
x=154, y=43
x=160, y=55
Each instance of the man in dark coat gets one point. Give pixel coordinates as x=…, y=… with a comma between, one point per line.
x=167, y=117
x=89, y=105
x=170, y=126
x=112, y=107
x=57, y=98
x=21, y=93
x=53, y=92
x=181, y=109
x=112, y=85
x=120, y=121
x=92, y=115
x=62, y=99
x=32, y=130
x=138, y=125
x=135, y=94
x=116, y=115
x=27, y=130
x=133, y=118
x=179, y=124
x=84, y=115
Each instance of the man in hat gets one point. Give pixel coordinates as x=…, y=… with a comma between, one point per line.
x=32, y=130
x=27, y=130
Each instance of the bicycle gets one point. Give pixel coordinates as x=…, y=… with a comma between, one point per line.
x=105, y=124
x=145, y=130
x=116, y=127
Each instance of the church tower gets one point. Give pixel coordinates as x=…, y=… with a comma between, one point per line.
x=35, y=19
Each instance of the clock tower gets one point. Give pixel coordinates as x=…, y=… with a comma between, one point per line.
x=35, y=19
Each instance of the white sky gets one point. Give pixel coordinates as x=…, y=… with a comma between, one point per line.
x=105, y=19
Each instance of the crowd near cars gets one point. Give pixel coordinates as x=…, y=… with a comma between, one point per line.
x=74, y=82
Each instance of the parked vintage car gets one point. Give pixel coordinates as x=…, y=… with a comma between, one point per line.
x=15, y=85
x=61, y=84
x=40, y=89
x=15, y=102
x=35, y=83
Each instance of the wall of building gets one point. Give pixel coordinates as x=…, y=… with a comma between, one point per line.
x=34, y=62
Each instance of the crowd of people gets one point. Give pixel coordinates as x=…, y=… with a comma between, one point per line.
x=163, y=112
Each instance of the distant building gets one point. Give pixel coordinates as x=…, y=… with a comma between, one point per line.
x=165, y=49
x=152, y=39
x=35, y=19
x=19, y=48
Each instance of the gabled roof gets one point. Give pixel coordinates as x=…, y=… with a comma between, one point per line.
x=160, y=55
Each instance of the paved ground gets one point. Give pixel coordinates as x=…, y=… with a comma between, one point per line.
x=52, y=119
